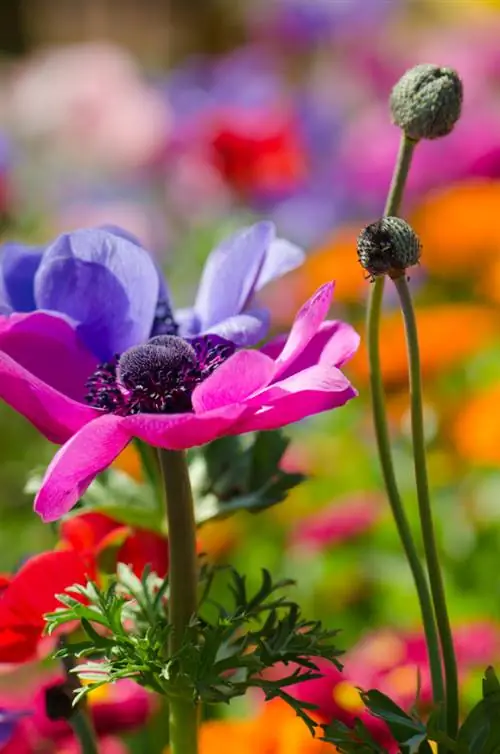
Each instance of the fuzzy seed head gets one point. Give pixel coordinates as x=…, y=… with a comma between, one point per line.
x=427, y=101
x=388, y=247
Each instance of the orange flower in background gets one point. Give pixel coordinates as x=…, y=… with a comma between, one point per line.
x=476, y=432
x=448, y=334
x=129, y=461
x=276, y=730
x=489, y=285
x=459, y=229
x=337, y=259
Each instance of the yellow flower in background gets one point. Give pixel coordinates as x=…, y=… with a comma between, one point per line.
x=459, y=229
x=448, y=334
x=476, y=432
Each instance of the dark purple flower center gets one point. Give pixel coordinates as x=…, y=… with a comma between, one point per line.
x=158, y=377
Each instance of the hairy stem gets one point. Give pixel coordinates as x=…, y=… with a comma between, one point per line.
x=183, y=585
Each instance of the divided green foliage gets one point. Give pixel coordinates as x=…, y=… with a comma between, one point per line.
x=226, y=651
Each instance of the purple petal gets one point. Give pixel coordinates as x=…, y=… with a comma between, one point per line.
x=107, y=284
x=120, y=232
x=19, y=264
x=231, y=273
x=244, y=329
x=281, y=258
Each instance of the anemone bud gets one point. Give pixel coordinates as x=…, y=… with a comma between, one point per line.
x=427, y=101
x=388, y=247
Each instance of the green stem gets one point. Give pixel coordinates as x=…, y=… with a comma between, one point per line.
x=183, y=587
x=424, y=504
x=398, y=512
x=84, y=731
x=396, y=189
x=383, y=440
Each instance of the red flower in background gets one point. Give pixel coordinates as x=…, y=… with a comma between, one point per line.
x=258, y=156
x=29, y=594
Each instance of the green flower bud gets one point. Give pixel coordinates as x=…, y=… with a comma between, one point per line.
x=427, y=101
x=388, y=247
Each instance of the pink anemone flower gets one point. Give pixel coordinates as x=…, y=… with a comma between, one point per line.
x=206, y=396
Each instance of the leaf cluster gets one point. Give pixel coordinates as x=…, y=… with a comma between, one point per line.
x=124, y=632
x=240, y=473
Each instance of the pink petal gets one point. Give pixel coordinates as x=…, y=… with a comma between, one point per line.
x=306, y=325
x=340, y=346
x=274, y=347
x=234, y=381
x=333, y=345
x=181, y=431
x=47, y=346
x=309, y=392
x=78, y=462
x=55, y=415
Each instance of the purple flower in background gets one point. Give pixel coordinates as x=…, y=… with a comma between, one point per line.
x=309, y=22
x=8, y=723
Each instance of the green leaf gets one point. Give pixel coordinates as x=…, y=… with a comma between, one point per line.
x=480, y=732
x=409, y=732
x=355, y=740
x=242, y=473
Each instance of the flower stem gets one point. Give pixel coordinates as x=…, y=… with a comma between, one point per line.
x=183, y=586
x=424, y=504
x=84, y=731
x=399, y=176
x=383, y=441
x=398, y=512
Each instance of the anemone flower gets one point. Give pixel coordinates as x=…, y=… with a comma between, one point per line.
x=93, y=294
x=175, y=393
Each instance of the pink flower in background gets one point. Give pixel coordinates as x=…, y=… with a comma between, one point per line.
x=118, y=708
x=391, y=662
x=472, y=149
x=337, y=522
x=90, y=99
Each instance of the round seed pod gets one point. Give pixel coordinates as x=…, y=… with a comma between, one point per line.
x=388, y=247
x=427, y=101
